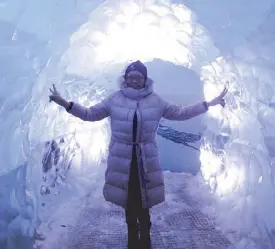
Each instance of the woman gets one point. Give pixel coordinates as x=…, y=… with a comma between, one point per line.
x=134, y=179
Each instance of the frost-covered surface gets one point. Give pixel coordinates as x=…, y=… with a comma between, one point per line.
x=82, y=46
x=177, y=223
x=18, y=210
x=237, y=159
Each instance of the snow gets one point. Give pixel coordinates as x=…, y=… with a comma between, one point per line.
x=192, y=49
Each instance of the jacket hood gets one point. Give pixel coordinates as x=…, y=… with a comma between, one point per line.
x=136, y=94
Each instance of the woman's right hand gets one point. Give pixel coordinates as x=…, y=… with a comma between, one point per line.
x=55, y=97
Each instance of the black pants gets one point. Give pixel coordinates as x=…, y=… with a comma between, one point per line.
x=134, y=212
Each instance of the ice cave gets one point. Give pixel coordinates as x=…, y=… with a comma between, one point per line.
x=218, y=167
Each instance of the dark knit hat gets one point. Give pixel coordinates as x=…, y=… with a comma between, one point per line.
x=138, y=66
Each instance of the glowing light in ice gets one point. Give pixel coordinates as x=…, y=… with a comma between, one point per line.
x=228, y=180
x=144, y=32
x=221, y=179
x=141, y=35
x=211, y=163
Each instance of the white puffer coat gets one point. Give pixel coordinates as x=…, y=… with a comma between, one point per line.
x=150, y=108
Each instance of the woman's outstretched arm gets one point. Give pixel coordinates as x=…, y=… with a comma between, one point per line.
x=176, y=112
x=93, y=113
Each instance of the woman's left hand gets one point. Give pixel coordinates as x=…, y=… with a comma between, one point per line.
x=219, y=100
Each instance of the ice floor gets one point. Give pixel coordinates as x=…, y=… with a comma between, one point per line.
x=178, y=223
x=188, y=228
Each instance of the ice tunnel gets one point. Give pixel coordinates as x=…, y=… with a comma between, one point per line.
x=218, y=167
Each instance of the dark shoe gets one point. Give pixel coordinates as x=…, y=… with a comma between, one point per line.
x=145, y=243
x=133, y=237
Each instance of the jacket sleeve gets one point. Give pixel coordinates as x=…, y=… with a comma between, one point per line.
x=176, y=112
x=93, y=113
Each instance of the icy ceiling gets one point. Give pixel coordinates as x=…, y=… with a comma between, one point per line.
x=82, y=46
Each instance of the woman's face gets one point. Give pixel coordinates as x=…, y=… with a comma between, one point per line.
x=135, y=79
